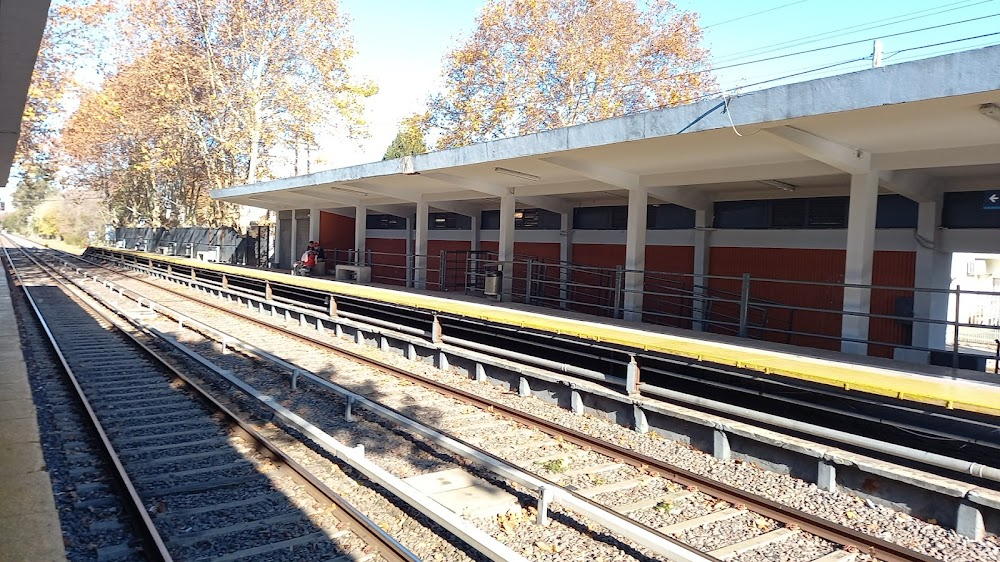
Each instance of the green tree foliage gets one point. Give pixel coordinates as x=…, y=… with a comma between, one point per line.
x=409, y=140
x=533, y=65
x=32, y=190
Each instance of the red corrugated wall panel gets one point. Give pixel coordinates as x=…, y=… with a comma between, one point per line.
x=892, y=269
x=455, y=269
x=388, y=260
x=336, y=232
x=668, y=297
x=889, y=268
x=784, y=264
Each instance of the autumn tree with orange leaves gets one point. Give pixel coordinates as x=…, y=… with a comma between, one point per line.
x=534, y=65
x=205, y=94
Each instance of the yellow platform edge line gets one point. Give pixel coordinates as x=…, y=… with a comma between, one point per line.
x=927, y=389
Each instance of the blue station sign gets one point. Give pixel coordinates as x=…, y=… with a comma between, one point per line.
x=991, y=200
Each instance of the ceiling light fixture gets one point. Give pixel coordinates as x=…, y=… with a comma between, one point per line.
x=990, y=110
x=516, y=174
x=782, y=185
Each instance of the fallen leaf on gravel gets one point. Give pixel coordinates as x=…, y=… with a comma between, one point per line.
x=851, y=515
x=544, y=546
x=761, y=523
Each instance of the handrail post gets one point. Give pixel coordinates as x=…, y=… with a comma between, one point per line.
x=527, y=283
x=744, y=305
x=443, y=271
x=619, y=273
x=954, y=344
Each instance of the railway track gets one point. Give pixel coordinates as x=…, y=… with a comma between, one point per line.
x=201, y=484
x=652, y=491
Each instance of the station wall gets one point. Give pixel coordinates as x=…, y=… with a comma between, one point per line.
x=799, y=240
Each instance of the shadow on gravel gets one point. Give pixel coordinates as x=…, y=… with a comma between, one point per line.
x=208, y=494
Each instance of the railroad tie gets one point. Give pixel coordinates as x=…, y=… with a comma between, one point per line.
x=595, y=469
x=532, y=445
x=777, y=535
x=614, y=487
x=714, y=517
x=653, y=502
x=548, y=458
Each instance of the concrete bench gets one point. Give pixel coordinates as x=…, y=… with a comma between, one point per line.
x=358, y=273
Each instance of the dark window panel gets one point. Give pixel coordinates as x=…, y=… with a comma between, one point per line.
x=385, y=222
x=964, y=209
x=741, y=214
x=669, y=217
x=828, y=212
x=788, y=213
x=896, y=211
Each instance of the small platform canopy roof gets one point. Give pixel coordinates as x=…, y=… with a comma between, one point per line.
x=925, y=126
x=21, y=25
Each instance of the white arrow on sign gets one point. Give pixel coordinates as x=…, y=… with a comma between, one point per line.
x=994, y=198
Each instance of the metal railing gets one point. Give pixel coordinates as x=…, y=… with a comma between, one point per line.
x=800, y=312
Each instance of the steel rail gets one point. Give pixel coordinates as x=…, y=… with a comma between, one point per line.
x=637, y=532
x=387, y=546
x=828, y=530
x=153, y=545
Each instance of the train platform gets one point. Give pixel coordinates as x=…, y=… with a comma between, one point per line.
x=957, y=389
x=29, y=522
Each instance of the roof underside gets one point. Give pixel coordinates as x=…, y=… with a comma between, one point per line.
x=920, y=125
x=21, y=26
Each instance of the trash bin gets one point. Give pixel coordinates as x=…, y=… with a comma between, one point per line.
x=493, y=284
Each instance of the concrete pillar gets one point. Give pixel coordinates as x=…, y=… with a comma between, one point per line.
x=703, y=221
x=410, y=221
x=314, y=229
x=565, y=256
x=291, y=242
x=276, y=242
x=420, y=246
x=507, y=208
x=860, y=254
x=932, y=271
x=635, y=253
x=360, y=232
x=476, y=232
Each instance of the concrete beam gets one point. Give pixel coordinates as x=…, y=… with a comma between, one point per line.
x=278, y=203
x=846, y=158
x=961, y=156
x=549, y=203
x=468, y=209
x=363, y=190
x=635, y=253
x=913, y=185
x=492, y=189
x=685, y=197
x=420, y=246
x=506, y=243
x=858, y=266
x=754, y=172
x=604, y=174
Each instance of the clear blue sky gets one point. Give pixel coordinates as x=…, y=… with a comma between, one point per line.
x=401, y=43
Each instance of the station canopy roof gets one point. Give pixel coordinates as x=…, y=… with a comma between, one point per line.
x=21, y=25
x=924, y=127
